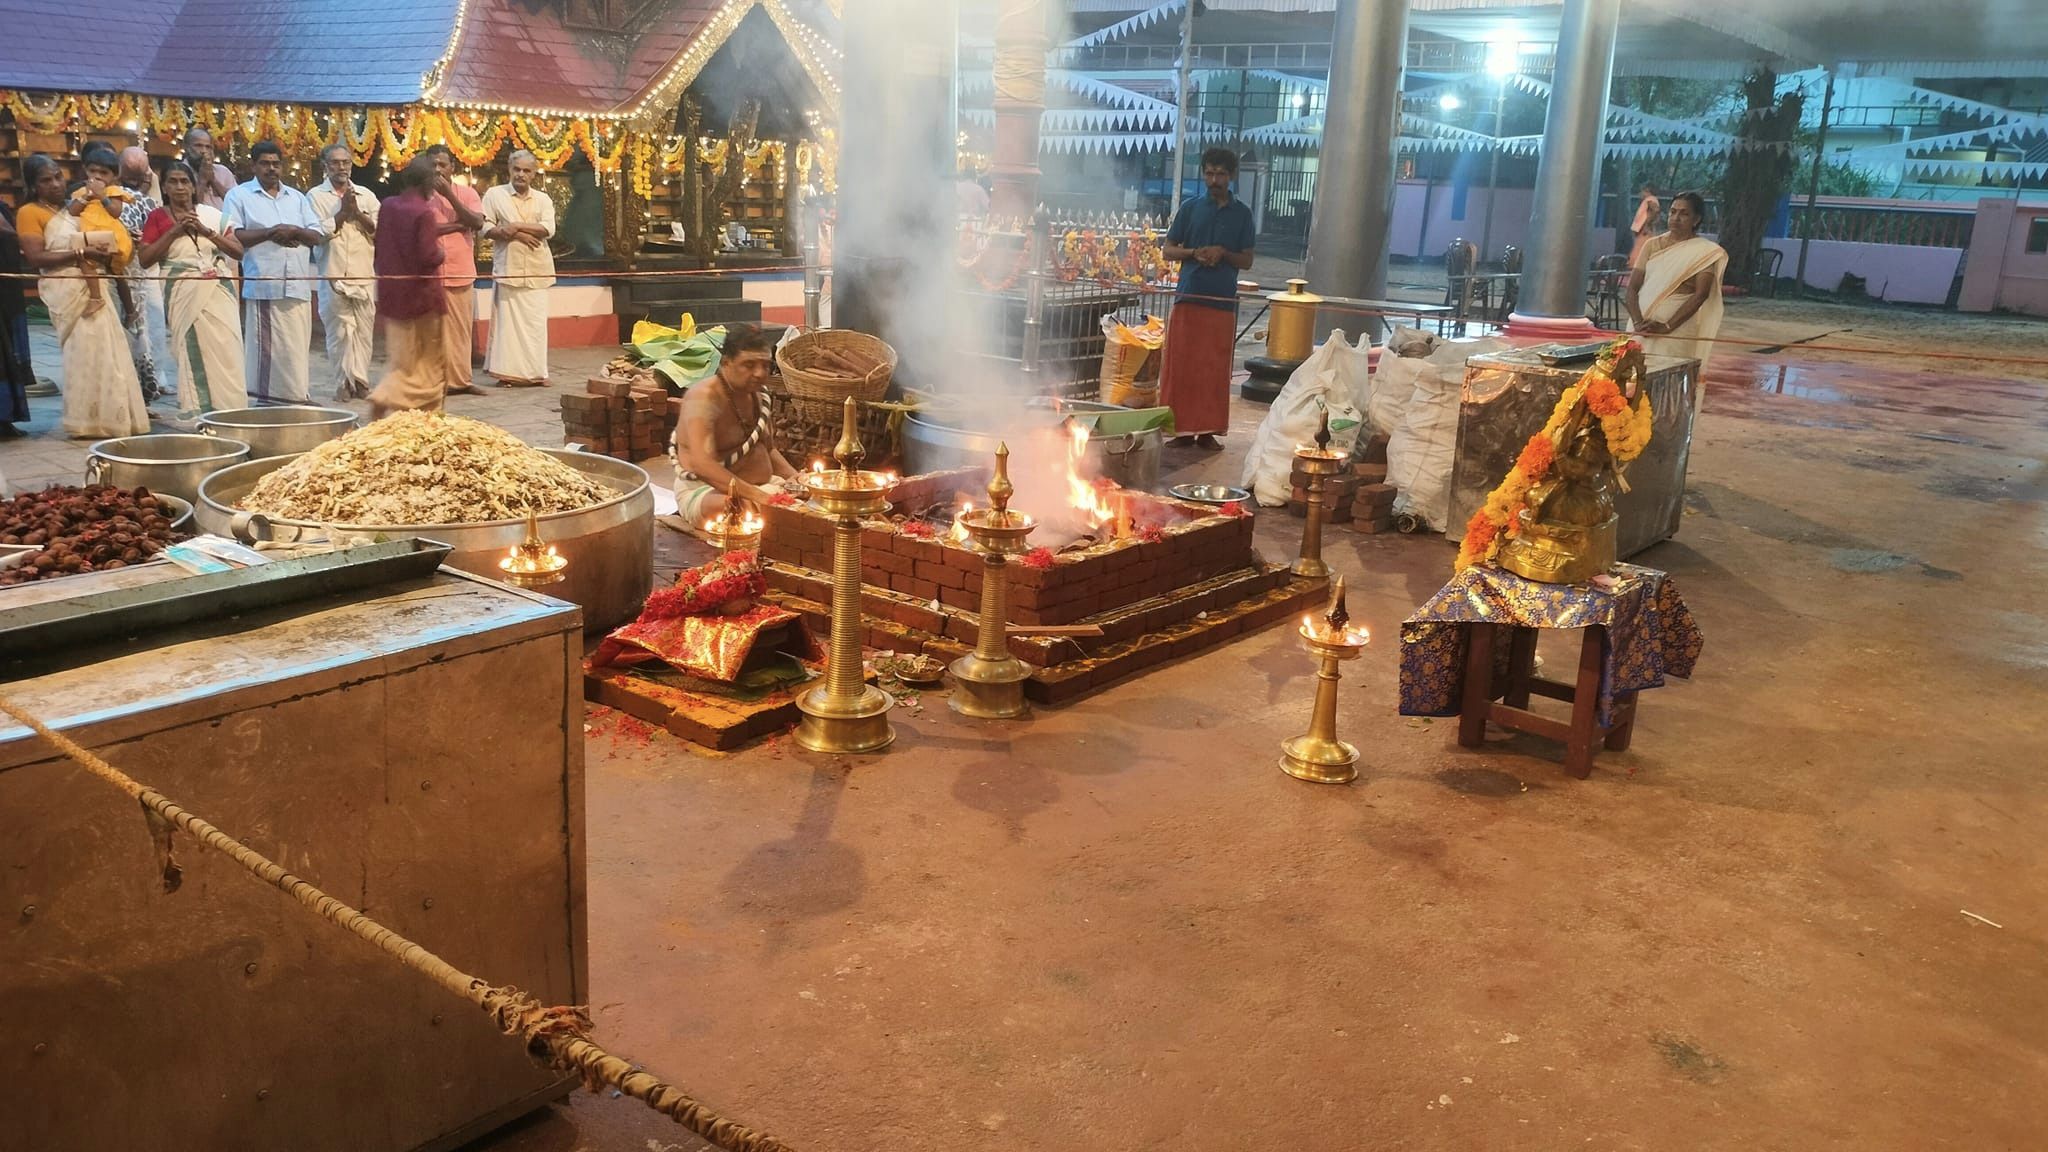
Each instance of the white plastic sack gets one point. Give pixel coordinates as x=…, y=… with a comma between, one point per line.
x=1334, y=377
x=1411, y=342
x=1424, y=441
x=1401, y=361
x=1393, y=382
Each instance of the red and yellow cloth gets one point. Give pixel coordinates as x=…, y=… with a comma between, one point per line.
x=706, y=624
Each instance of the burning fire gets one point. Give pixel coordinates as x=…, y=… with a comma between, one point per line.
x=1080, y=492
x=959, y=533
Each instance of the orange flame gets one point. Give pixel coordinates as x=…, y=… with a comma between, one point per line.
x=1080, y=493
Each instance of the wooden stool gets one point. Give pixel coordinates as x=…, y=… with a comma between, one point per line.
x=1482, y=689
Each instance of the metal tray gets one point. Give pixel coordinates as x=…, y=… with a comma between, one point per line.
x=38, y=630
x=1208, y=493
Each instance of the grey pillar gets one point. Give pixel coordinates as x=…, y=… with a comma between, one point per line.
x=1558, y=253
x=1353, y=214
x=896, y=179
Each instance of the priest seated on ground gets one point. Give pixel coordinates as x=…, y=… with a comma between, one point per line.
x=726, y=433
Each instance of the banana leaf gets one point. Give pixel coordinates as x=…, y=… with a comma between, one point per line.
x=683, y=354
x=1125, y=422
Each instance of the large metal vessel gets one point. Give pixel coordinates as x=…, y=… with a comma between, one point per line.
x=937, y=439
x=282, y=431
x=609, y=546
x=170, y=462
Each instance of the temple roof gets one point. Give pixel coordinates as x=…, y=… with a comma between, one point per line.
x=288, y=51
x=524, y=54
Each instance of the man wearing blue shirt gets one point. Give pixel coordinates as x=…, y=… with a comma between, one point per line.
x=278, y=230
x=1212, y=237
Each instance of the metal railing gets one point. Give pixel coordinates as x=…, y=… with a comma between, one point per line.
x=1931, y=227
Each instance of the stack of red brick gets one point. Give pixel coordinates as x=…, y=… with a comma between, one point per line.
x=1338, y=492
x=1372, y=504
x=622, y=417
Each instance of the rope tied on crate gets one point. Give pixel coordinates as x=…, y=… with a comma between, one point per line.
x=554, y=1035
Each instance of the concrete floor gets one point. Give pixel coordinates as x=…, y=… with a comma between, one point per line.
x=1118, y=926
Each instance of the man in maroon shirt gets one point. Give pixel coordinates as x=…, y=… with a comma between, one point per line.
x=410, y=295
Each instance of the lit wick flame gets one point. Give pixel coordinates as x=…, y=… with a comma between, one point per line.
x=959, y=532
x=532, y=562
x=817, y=465
x=1333, y=626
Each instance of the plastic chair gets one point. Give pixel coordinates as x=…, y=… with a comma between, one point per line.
x=1763, y=279
x=1610, y=276
x=1470, y=297
x=1510, y=290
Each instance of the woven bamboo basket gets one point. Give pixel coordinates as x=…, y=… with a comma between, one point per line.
x=802, y=358
x=808, y=430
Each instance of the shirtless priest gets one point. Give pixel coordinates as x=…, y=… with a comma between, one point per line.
x=725, y=433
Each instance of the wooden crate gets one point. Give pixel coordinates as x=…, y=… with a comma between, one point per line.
x=418, y=754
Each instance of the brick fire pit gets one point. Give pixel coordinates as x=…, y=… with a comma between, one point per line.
x=1184, y=578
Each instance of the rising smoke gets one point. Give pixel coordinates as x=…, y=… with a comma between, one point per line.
x=896, y=267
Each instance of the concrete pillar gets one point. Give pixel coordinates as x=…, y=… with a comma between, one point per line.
x=1353, y=215
x=1552, y=303
x=896, y=198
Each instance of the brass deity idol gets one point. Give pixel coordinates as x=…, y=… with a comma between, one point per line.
x=1565, y=533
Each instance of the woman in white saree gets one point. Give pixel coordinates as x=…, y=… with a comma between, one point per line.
x=1674, y=290
x=101, y=397
x=205, y=320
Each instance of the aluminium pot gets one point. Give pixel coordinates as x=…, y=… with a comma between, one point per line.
x=283, y=431
x=171, y=462
x=609, y=545
x=936, y=441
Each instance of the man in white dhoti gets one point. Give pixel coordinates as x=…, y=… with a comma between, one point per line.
x=520, y=220
x=348, y=288
x=278, y=230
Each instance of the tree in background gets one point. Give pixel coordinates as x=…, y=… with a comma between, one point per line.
x=1766, y=154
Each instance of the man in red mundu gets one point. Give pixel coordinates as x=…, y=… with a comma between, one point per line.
x=1212, y=237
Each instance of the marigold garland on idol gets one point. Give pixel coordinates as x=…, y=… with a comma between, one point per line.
x=1552, y=517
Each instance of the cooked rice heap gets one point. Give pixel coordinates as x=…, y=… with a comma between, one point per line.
x=422, y=468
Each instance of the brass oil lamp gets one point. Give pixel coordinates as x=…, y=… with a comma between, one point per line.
x=1318, y=464
x=533, y=563
x=990, y=681
x=846, y=714
x=1317, y=755
x=738, y=527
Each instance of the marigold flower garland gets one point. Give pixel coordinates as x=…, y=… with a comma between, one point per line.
x=1626, y=427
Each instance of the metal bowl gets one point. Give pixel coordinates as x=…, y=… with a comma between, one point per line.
x=173, y=463
x=609, y=545
x=181, y=511
x=953, y=436
x=1208, y=493
x=283, y=431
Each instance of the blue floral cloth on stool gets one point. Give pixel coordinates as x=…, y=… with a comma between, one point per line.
x=1650, y=631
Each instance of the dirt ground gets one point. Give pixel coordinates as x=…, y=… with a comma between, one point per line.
x=1118, y=925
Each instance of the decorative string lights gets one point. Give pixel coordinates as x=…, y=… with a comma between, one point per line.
x=625, y=145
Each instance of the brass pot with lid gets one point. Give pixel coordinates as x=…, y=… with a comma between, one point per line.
x=1291, y=330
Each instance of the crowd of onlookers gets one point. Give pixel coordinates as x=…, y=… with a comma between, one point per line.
x=178, y=282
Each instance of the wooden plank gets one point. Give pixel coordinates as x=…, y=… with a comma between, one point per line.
x=1473, y=709
x=716, y=722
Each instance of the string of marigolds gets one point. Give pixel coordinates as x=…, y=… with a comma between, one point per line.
x=1624, y=424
